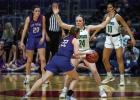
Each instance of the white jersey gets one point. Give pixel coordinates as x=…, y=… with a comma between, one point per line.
x=113, y=27
x=84, y=40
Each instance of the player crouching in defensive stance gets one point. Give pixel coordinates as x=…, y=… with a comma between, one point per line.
x=68, y=48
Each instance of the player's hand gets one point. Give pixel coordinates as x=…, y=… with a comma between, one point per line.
x=41, y=41
x=92, y=38
x=82, y=57
x=110, y=14
x=55, y=10
x=88, y=51
x=47, y=38
x=22, y=45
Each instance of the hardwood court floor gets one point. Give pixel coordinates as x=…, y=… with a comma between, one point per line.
x=12, y=88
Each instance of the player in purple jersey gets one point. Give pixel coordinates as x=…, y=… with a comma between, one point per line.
x=61, y=62
x=35, y=25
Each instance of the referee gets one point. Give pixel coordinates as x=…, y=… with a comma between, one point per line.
x=54, y=32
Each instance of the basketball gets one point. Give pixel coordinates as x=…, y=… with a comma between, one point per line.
x=93, y=57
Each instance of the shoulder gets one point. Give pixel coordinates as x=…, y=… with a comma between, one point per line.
x=42, y=16
x=75, y=41
x=118, y=17
x=86, y=27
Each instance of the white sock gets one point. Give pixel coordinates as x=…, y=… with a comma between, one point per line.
x=109, y=74
x=47, y=82
x=29, y=93
x=122, y=76
x=65, y=88
x=28, y=76
x=101, y=88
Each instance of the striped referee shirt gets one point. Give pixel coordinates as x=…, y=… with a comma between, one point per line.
x=53, y=24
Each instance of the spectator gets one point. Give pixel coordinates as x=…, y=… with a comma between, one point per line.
x=131, y=55
x=19, y=61
x=2, y=56
x=8, y=37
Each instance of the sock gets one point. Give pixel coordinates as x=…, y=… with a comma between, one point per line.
x=28, y=76
x=70, y=92
x=47, y=82
x=101, y=88
x=109, y=74
x=122, y=76
x=65, y=88
x=29, y=93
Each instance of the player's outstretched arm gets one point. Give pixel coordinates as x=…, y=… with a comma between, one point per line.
x=59, y=21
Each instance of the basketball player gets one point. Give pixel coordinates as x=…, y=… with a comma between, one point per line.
x=84, y=47
x=35, y=24
x=61, y=61
x=114, y=41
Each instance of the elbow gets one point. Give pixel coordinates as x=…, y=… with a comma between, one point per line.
x=61, y=24
x=75, y=54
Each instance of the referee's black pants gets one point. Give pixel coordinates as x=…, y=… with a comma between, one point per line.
x=52, y=45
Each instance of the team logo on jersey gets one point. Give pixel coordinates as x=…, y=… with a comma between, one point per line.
x=111, y=23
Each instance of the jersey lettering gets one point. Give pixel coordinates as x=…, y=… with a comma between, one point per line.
x=64, y=43
x=35, y=30
x=82, y=43
x=109, y=29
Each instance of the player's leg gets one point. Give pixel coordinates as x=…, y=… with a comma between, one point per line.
x=73, y=75
x=119, y=54
x=67, y=79
x=118, y=44
x=94, y=71
x=41, y=52
x=38, y=83
x=106, y=57
x=29, y=54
